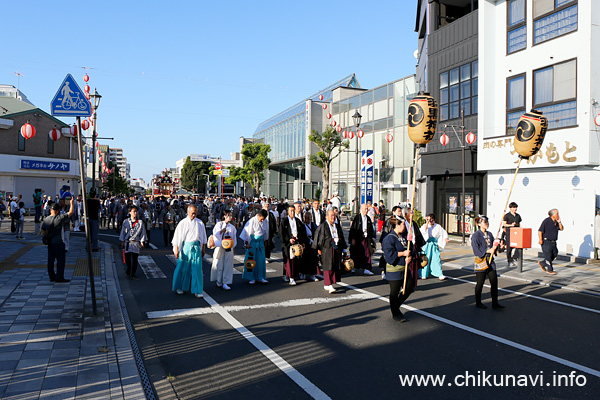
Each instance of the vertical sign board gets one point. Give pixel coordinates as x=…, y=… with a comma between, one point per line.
x=366, y=176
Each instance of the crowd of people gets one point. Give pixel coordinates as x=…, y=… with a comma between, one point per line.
x=310, y=232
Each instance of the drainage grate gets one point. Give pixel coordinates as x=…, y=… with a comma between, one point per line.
x=81, y=267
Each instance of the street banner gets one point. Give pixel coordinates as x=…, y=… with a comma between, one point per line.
x=366, y=176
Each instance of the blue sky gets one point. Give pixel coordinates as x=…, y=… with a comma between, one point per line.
x=185, y=77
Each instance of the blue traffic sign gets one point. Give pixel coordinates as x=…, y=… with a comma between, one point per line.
x=70, y=100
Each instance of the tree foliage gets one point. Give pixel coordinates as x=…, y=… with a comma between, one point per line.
x=116, y=184
x=256, y=160
x=238, y=174
x=192, y=178
x=330, y=146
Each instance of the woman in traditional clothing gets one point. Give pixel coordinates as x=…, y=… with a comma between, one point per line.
x=360, y=237
x=330, y=244
x=310, y=257
x=222, y=265
x=189, y=243
x=397, y=257
x=484, y=248
x=436, y=239
x=132, y=237
x=254, y=235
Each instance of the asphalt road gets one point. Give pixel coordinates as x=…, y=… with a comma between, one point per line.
x=281, y=342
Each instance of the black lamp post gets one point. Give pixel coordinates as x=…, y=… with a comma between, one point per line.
x=95, y=103
x=357, y=117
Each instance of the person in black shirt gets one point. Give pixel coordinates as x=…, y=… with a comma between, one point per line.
x=548, y=235
x=511, y=219
x=93, y=206
x=52, y=228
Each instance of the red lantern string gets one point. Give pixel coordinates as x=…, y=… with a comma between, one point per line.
x=54, y=134
x=27, y=130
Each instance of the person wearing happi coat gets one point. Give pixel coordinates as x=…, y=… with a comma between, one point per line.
x=436, y=239
x=330, y=245
x=189, y=243
x=222, y=265
x=361, y=234
x=310, y=259
x=132, y=238
x=254, y=235
x=292, y=232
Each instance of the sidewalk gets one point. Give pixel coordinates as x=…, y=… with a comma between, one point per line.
x=51, y=345
x=576, y=276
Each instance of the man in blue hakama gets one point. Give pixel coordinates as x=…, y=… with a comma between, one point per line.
x=189, y=243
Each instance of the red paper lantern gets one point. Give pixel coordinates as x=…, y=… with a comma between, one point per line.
x=320, y=97
x=333, y=123
x=444, y=139
x=74, y=130
x=339, y=128
x=328, y=115
x=389, y=137
x=471, y=138
x=85, y=125
x=86, y=88
x=87, y=95
x=86, y=78
x=54, y=134
x=27, y=130
x=345, y=134
x=351, y=135
x=324, y=106
x=360, y=134
x=597, y=120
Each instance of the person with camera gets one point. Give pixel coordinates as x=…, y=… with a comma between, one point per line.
x=52, y=229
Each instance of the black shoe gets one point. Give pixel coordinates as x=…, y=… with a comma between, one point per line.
x=52, y=279
x=96, y=250
x=63, y=280
x=481, y=305
x=133, y=277
x=399, y=318
x=497, y=306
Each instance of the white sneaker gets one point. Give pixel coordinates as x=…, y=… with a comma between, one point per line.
x=264, y=281
x=292, y=282
x=332, y=289
x=179, y=291
x=367, y=272
x=329, y=287
x=252, y=282
x=219, y=284
x=383, y=276
x=312, y=278
x=286, y=279
x=266, y=261
x=442, y=278
x=199, y=295
x=226, y=287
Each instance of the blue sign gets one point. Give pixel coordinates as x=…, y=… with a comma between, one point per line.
x=70, y=100
x=47, y=165
x=366, y=176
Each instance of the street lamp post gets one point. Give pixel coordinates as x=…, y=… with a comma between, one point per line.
x=95, y=103
x=357, y=117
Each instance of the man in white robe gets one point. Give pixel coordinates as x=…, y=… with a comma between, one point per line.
x=222, y=265
x=436, y=239
x=189, y=243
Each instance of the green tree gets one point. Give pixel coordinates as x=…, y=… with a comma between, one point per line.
x=330, y=146
x=192, y=175
x=116, y=184
x=238, y=174
x=256, y=160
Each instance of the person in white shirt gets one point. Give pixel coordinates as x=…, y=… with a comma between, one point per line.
x=189, y=243
x=222, y=265
x=436, y=239
x=254, y=235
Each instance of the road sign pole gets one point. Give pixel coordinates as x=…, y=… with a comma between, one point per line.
x=87, y=217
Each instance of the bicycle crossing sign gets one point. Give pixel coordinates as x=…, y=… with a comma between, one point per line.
x=70, y=100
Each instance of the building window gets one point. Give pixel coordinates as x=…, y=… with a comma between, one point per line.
x=555, y=93
x=516, y=26
x=50, y=145
x=21, y=142
x=458, y=91
x=515, y=102
x=553, y=18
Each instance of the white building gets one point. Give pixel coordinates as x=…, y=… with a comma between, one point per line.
x=115, y=156
x=542, y=54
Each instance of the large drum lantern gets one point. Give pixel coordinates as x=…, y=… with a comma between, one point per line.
x=530, y=133
x=422, y=118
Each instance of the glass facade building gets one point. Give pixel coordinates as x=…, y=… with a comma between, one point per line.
x=383, y=111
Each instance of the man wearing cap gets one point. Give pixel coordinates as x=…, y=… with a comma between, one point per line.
x=360, y=237
x=52, y=228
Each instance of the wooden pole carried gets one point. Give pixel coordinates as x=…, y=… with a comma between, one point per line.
x=410, y=218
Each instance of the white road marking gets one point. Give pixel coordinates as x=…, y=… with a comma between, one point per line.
x=151, y=270
x=287, y=303
x=312, y=390
x=532, y=296
x=486, y=335
x=153, y=246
